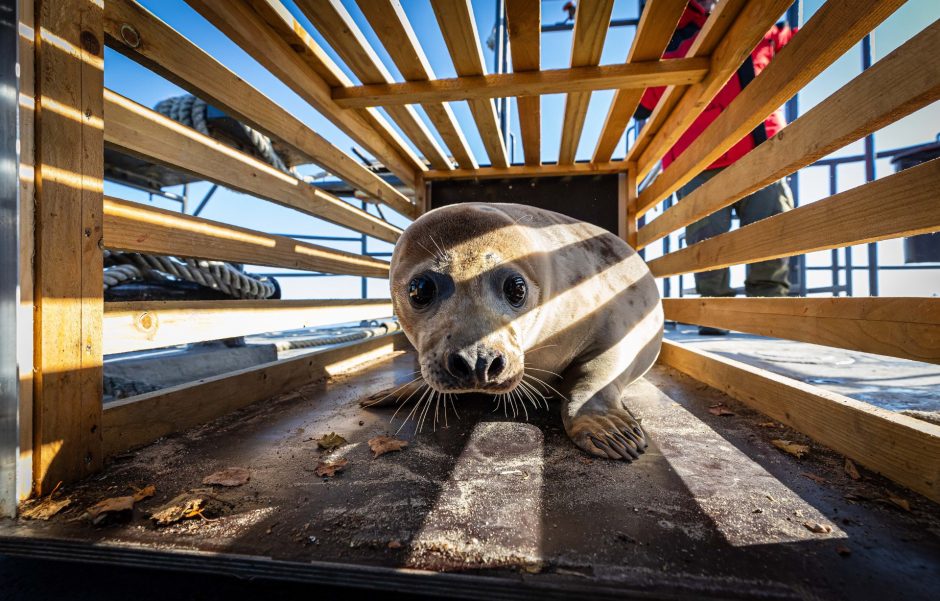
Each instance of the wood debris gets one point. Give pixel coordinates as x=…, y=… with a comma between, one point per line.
x=851, y=470
x=767, y=425
x=230, y=476
x=182, y=507
x=144, y=493
x=110, y=508
x=385, y=444
x=814, y=477
x=328, y=469
x=45, y=509
x=817, y=527
x=721, y=411
x=787, y=446
x=899, y=502
x=331, y=441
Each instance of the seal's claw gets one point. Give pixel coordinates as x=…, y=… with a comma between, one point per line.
x=614, y=435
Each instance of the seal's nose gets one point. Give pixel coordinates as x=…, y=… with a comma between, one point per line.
x=475, y=367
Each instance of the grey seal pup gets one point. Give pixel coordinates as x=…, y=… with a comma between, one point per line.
x=524, y=303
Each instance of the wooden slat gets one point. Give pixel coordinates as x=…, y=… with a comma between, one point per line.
x=628, y=202
x=144, y=418
x=455, y=18
x=657, y=24
x=591, y=22
x=133, y=326
x=160, y=48
x=898, y=327
x=68, y=260
x=715, y=30
x=336, y=25
x=836, y=27
x=633, y=76
x=267, y=32
x=897, y=85
x=140, y=131
x=529, y=171
x=903, y=204
x=135, y=227
x=524, y=22
x=899, y=447
x=393, y=28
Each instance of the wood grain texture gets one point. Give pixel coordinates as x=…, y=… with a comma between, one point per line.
x=270, y=35
x=903, y=204
x=716, y=27
x=336, y=25
x=898, y=327
x=135, y=227
x=390, y=23
x=634, y=76
x=529, y=171
x=139, y=420
x=836, y=27
x=591, y=22
x=899, y=447
x=132, y=326
x=524, y=23
x=657, y=24
x=455, y=18
x=68, y=262
x=142, y=132
x=897, y=85
x=163, y=50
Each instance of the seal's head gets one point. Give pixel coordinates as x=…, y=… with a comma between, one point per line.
x=464, y=293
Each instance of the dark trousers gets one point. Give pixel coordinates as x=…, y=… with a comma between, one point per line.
x=765, y=278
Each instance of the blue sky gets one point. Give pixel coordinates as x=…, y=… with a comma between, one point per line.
x=136, y=82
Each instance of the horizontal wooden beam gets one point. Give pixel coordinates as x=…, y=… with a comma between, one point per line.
x=134, y=326
x=527, y=83
x=833, y=29
x=136, y=227
x=530, y=171
x=134, y=31
x=904, y=81
x=903, y=204
x=142, y=419
x=898, y=327
x=267, y=31
x=899, y=447
x=145, y=133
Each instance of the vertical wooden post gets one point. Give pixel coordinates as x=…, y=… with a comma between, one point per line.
x=421, y=194
x=68, y=287
x=627, y=197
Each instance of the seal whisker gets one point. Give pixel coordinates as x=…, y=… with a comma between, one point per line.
x=525, y=387
x=414, y=409
x=535, y=392
x=559, y=376
x=522, y=402
x=400, y=407
x=555, y=390
x=443, y=253
x=437, y=408
x=538, y=348
x=424, y=411
x=454, y=404
x=392, y=392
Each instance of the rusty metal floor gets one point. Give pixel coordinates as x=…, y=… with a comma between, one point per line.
x=502, y=508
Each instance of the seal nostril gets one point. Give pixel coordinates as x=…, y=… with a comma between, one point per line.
x=458, y=366
x=496, y=367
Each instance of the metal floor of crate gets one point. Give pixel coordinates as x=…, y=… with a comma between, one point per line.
x=500, y=507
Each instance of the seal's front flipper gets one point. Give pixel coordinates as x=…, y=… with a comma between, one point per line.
x=603, y=426
x=393, y=396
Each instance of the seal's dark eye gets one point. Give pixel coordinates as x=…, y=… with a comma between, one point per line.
x=421, y=291
x=515, y=290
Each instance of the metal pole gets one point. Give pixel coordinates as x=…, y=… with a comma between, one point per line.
x=365, y=251
x=834, y=189
x=9, y=255
x=870, y=176
x=501, y=63
x=667, y=283
x=205, y=200
x=792, y=112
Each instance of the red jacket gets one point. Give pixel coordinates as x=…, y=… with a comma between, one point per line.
x=689, y=26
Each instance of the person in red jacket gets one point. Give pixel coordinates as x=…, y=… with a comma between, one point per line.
x=766, y=278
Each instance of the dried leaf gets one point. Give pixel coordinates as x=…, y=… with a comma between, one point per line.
x=328, y=469
x=184, y=506
x=385, y=444
x=331, y=441
x=230, y=476
x=851, y=470
x=45, y=509
x=899, y=502
x=144, y=493
x=795, y=449
x=114, y=506
x=843, y=551
x=721, y=411
x=814, y=477
x=818, y=528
